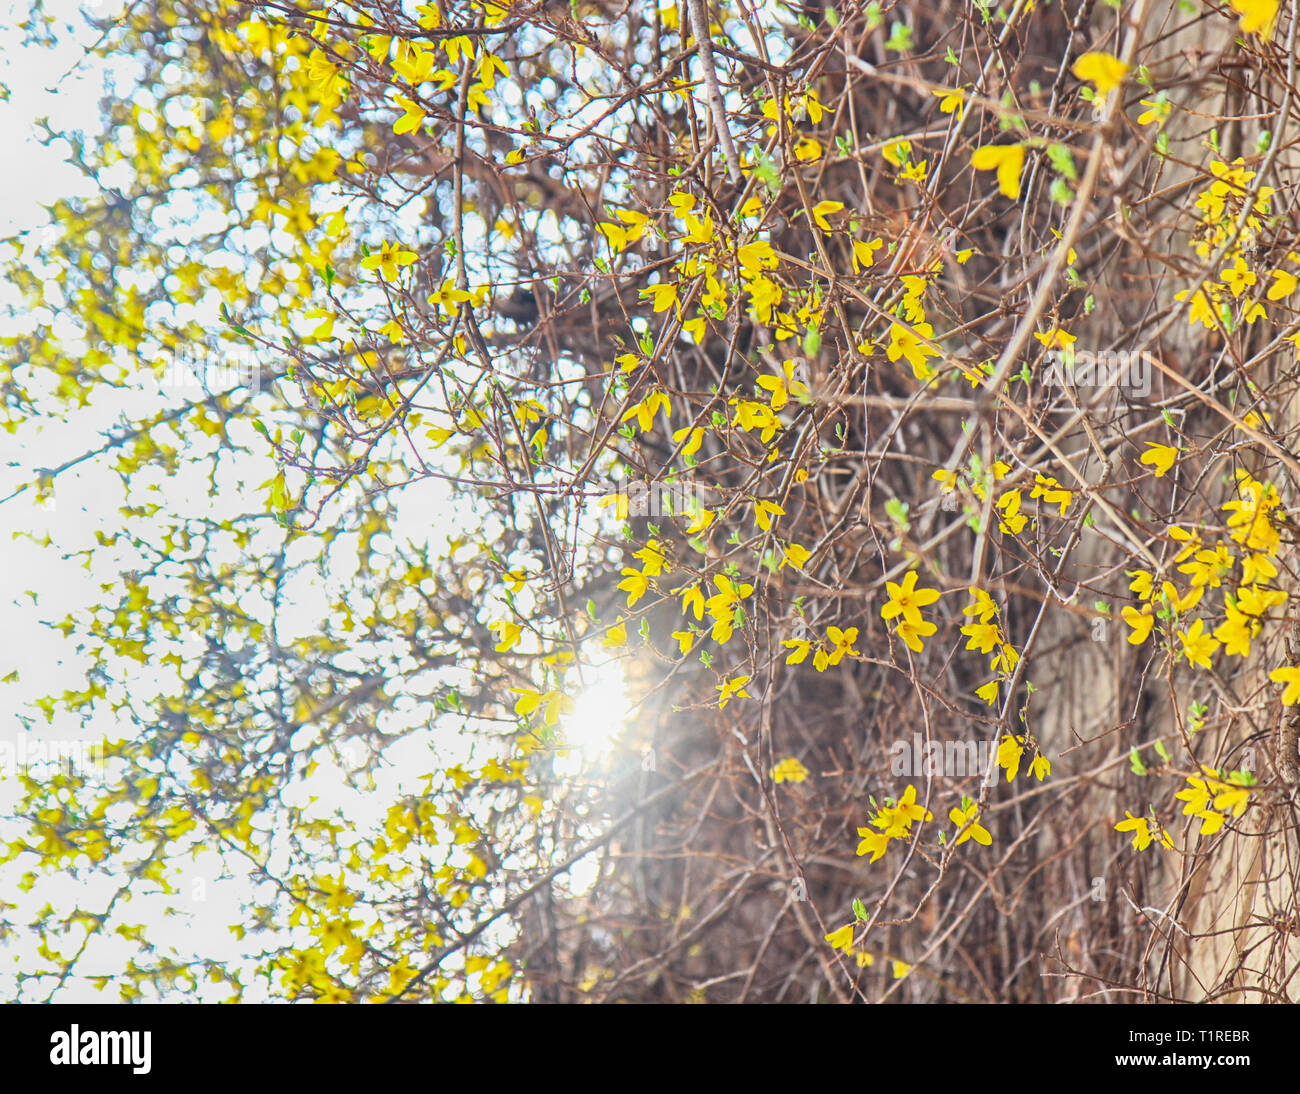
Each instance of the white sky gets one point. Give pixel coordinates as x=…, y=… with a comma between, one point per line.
x=65, y=88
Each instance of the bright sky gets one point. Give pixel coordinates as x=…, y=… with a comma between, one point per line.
x=65, y=88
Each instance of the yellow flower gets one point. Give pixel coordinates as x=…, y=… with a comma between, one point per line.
x=789, y=770
x=1211, y=821
x=1185, y=603
x=1101, y=70
x=1232, y=798
x=1290, y=676
x=764, y=511
x=1008, y=160
x=842, y=938
x=949, y=100
x=1284, y=284
x=967, y=824
x=388, y=259
x=806, y=150
x=616, y=636
x=981, y=606
x=700, y=520
x=822, y=210
x=732, y=689
x=1143, y=835
x=652, y=559
x=663, y=296
x=1191, y=543
x=1010, y=751
x=783, y=386
x=1198, y=647
x=1141, y=583
x=1257, y=567
x=906, y=344
x=1160, y=457
x=685, y=640
x=507, y=634
x=756, y=256
x=413, y=117
x=864, y=254
x=843, y=643
x=896, y=820
x=1257, y=16
x=915, y=172
x=913, y=633
x=1197, y=796
x=751, y=415
x=794, y=555
x=873, y=843
x=983, y=636
x=1238, y=277
x=1157, y=110
x=799, y=647
x=1041, y=767
x=1254, y=601
x=1056, y=338
x=907, y=600
x=1005, y=659
x=1140, y=621
x=693, y=444
x=449, y=298
x=644, y=412
x=635, y=585
x=1052, y=492
x=1011, y=519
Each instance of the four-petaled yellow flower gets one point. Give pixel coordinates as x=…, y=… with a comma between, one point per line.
x=843, y=643
x=388, y=260
x=908, y=345
x=1198, y=647
x=907, y=600
x=967, y=822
